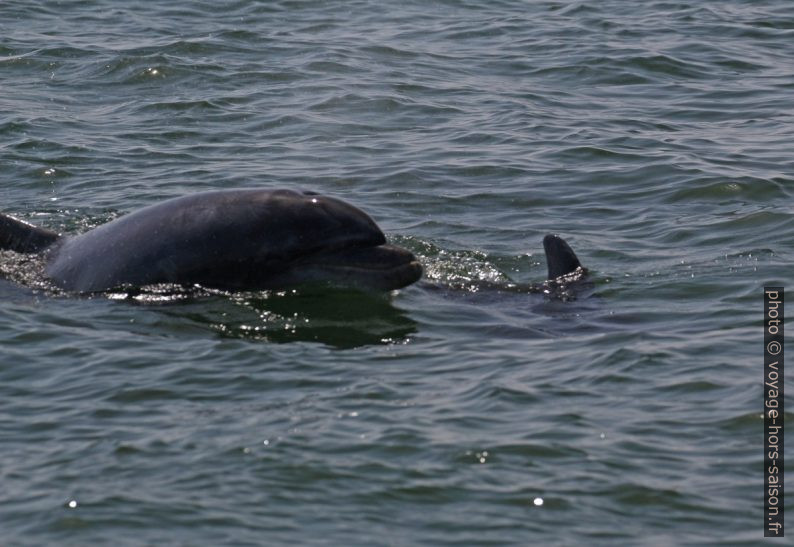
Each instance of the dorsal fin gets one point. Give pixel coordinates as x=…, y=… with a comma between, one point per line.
x=559, y=256
x=18, y=235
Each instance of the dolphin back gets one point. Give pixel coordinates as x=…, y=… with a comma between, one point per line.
x=17, y=235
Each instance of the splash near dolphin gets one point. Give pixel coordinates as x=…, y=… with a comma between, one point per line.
x=245, y=239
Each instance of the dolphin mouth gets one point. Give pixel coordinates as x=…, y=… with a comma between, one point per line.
x=378, y=267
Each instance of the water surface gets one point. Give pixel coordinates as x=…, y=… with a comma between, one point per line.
x=655, y=137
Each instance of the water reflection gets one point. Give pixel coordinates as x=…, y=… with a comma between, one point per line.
x=334, y=317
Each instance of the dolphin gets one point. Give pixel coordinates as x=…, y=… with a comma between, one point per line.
x=242, y=239
x=227, y=239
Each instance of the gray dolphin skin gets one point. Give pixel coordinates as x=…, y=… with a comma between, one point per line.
x=244, y=239
x=560, y=258
x=228, y=239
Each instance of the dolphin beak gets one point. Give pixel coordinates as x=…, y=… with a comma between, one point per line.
x=374, y=267
x=381, y=267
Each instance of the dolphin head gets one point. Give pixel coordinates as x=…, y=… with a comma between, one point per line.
x=235, y=239
x=303, y=238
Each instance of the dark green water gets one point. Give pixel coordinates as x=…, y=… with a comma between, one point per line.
x=657, y=137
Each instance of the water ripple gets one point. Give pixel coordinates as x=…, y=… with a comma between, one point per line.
x=656, y=139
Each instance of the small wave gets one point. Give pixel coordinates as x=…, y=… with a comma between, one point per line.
x=729, y=189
